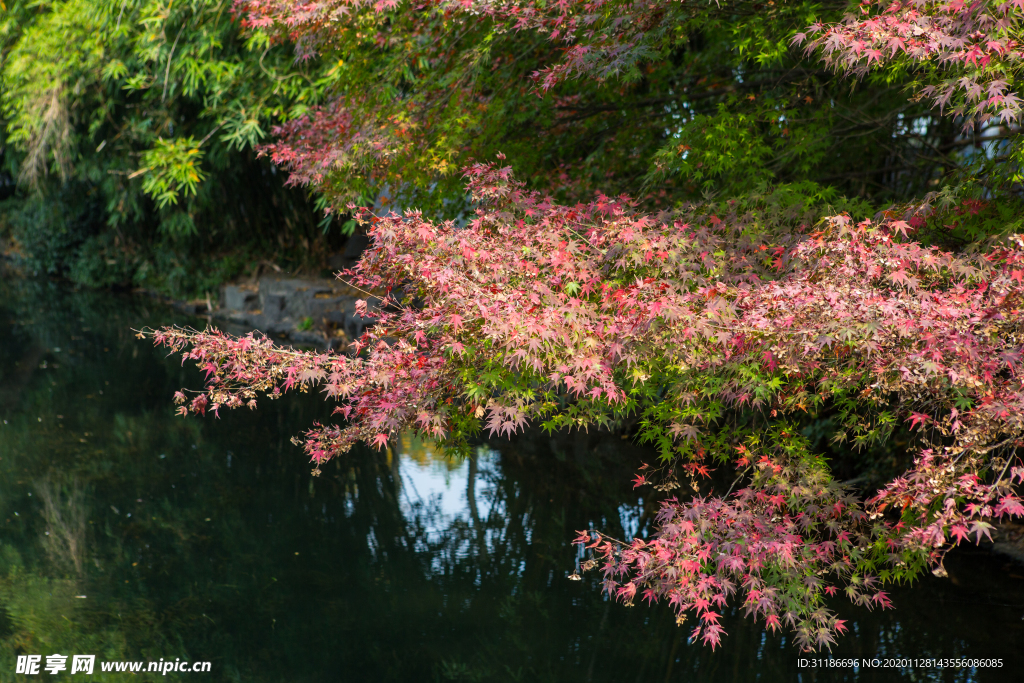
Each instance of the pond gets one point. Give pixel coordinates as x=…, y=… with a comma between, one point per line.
x=135, y=535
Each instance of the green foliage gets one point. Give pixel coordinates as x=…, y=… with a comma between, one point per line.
x=706, y=100
x=743, y=145
x=172, y=168
x=146, y=111
x=51, y=233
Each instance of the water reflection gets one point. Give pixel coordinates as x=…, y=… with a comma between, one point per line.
x=131, y=534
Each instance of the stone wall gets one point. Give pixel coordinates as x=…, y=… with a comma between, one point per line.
x=315, y=312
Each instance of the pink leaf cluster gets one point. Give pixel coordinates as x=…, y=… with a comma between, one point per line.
x=332, y=137
x=976, y=44
x=540, y=312
x=775, y=546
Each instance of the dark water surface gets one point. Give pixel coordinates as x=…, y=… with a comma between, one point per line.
x=132, y=534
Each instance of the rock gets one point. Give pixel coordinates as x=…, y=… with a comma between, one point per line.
x=1009, y=540
x=283, y=307
x=1014, y=551
x=238, y=298
x=355, y=325
x=191, y=307
x=273, y=304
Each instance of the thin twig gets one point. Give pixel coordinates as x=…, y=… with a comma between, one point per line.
x=167, y=71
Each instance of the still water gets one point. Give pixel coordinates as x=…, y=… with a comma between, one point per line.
x=132, y=534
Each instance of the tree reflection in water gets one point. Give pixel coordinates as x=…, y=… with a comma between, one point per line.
x=209, y=540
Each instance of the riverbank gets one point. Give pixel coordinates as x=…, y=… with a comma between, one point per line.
x=294, y=308
x=306, y=311
x=301, y=310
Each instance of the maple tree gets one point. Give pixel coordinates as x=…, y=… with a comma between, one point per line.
x=720, y=325
x=976, y=48
x=662, y=100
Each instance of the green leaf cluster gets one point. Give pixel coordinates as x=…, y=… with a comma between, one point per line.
x=147, y=112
